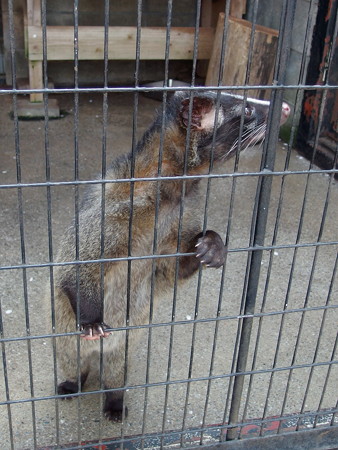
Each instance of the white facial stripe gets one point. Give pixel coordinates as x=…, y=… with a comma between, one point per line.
x=259, y=102
x=249, y=99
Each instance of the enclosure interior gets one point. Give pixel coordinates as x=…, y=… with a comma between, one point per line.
x=180, y=377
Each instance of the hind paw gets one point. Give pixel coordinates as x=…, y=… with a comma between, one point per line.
x=113, y=409
x=67, y=387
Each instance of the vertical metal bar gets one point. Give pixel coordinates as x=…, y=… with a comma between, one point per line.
x=157, y=205
x=234, y=181
x=24, y=273
x=319, y=340
x=298, y=100
x=220, y=297
x=3, y=345
x=242, y=306
x=163, y=126
x=320, y=117
x=103, y=198
x=206, y=206
x=334, y=415
x=231, y=201
x=76, y=203
x=49, y=209
x=264, y=190
x=173, y=313
x=291, y=275
x=6, y=380
x=7, y=394
x=195, y=53
x=293, y=265
x=174, y=303
x=333, y=355
x=309, y=287
x=132, y=172
x=21, y=217
x=213, y=352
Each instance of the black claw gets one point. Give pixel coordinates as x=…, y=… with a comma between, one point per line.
x=210, y=250
x=94, y=329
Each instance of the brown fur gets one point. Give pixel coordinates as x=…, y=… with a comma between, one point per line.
x=117, y=202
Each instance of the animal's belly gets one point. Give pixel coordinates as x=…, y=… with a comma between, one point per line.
x=127, y=294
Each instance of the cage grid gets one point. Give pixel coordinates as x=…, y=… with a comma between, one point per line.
x=247, y=355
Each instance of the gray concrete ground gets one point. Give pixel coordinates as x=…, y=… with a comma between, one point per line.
x=62, y=422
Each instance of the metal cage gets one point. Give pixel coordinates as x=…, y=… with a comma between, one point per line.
x=245, y=357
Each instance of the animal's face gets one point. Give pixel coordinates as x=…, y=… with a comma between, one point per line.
x=217, y=120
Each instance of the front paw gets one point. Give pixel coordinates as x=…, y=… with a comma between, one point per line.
x=210, y=249
x=94, y=331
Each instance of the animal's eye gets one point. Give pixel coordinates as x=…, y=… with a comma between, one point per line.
x=249, y=110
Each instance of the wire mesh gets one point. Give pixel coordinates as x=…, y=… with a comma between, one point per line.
x=251, y=347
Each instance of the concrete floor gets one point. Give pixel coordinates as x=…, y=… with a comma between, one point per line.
x=62, y=422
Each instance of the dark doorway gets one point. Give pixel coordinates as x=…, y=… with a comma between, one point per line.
x=318, y=127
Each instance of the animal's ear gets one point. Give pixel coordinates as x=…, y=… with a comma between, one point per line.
x=202, y=109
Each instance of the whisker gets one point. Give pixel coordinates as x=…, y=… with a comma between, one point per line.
x=249, y=138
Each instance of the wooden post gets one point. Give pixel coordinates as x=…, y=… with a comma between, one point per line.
x=212, y=8
x=35, y=67
x=236, y=55
x=238, y=8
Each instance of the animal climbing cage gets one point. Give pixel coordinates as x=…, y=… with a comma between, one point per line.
x=243, y=356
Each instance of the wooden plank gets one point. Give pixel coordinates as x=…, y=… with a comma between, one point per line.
x=206, y=13
x=35, y=80
x=238, y=8
x=205, y=21
x=214, y=70
x=237, y=53
x=34, y=12
x=33, y=18
x=122, y=43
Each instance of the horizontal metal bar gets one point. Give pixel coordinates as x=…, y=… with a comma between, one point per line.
x=218, y=428
x=174, y=255
x=318, y=438
x=133, y=441
x=245, y=87
x=174, y=382
x=167, y=178
x=181, y=322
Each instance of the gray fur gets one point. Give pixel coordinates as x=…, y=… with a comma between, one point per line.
x=116, y=233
